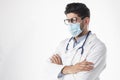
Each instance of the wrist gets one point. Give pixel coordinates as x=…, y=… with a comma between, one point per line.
x=67, y=70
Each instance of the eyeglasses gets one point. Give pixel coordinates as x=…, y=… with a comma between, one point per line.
x=72, y=20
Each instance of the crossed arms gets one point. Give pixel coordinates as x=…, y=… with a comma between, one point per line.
x=78, y=67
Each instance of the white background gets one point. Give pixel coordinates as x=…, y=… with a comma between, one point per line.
x=30, y=30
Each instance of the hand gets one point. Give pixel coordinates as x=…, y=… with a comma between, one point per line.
x=56, y=59
x=82, y=66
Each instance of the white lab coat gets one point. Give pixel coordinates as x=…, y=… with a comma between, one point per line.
x=94, y=51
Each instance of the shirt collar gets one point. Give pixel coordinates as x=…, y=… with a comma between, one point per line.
x=79, y=39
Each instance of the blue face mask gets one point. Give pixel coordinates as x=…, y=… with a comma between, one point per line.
x=74, y=29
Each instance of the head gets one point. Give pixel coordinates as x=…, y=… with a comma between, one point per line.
x=78, y=13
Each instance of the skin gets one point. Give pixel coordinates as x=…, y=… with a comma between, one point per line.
x=81, y=66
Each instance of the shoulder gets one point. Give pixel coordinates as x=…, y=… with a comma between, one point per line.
x=96, y=43
x=95, y=46
x=62, y=45
x=65, y=41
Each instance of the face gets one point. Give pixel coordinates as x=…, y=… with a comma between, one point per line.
x=74, y=18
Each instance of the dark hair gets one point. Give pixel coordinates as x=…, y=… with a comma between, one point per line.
x=78, y=8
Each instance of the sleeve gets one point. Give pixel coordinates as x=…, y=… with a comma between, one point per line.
x=98, y=57
x=55, y=69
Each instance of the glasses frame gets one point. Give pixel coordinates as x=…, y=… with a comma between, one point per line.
x=72, y=20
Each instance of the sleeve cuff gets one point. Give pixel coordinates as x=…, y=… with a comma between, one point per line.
x=60, y=75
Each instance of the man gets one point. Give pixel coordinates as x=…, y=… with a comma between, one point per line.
x=81, y=57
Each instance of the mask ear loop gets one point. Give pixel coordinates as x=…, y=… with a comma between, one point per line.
x=80, y=23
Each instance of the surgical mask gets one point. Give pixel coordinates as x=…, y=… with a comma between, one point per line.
x=74, y=29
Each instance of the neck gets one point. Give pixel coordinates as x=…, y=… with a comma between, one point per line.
x=82, y=34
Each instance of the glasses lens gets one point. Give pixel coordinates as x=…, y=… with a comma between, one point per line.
x=72, y=20
x=67, y=21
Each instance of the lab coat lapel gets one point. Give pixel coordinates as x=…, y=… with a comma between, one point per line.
x=69, y=58
x=87, y=47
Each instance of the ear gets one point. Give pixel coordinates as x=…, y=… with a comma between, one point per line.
x=86, y=21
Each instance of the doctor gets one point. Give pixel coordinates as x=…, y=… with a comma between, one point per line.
x=81, y=57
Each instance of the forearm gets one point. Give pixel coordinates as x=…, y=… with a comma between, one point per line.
x=78, y=67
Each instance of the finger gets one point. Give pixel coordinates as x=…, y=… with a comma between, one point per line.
x=88, y=68
x=85, y=66
x=54, y=58
x=58, y=58
x=87, y=63
x=51, y=60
